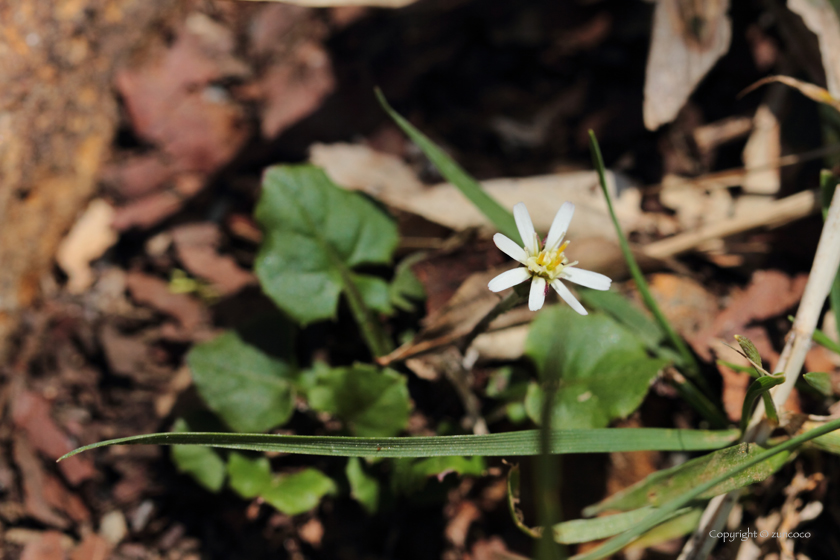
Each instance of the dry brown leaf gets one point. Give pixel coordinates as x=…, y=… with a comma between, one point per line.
x=92, y=547
x=762, y=152
x=459, y=524
x=821, y=18
x=33, y=477
x=339, y=3
x=196, y=245
x=88, y=239
x=492, y=549
x=31, y=414
x=48, y=547
x=155, y=293
x=769, y=294
x=390, y=180
x=688, y=38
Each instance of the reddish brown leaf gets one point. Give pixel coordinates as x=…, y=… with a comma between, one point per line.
x=92, y=547
x=196, y=246
x=31, y=412
x=155, y=293
x=33, y=475
x=48, y=547
x=152, y=209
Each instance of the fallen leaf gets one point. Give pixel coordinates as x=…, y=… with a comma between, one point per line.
x=459, y=523
x=155, y=293
x=689, y=306
x=138, y=175
x=86, y=241
x=821, y=18
x=334, y=3
x=33, y=478
x=150, y=210
x=769, y=294
x=196, y=246
x=173, y=101
x=126, y=355
x=312, y=532
x=688, y=38
x=31, y=413
x=48, y=547
x=294, y=88
x=388, y=179
x=762, y=152
x=92, y=547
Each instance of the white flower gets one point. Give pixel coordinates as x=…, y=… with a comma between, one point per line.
x=545, y=263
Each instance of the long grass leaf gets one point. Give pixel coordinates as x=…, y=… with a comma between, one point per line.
x=455, y=174
x=525, y=442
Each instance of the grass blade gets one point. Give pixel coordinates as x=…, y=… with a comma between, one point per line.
x=662, y=514
x=526, y=442
x=759, y=388
x=455, y=174
x=689, y=363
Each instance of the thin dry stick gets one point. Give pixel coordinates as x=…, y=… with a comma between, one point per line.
x=823, y=271
x=777, y=213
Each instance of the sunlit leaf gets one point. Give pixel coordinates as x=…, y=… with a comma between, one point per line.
x=248, y=477
x=299, y=492
x=315, y=234
x=604, y=371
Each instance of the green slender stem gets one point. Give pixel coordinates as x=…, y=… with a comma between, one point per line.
x=455, y=174
x=698, y=401
x=375, y=337
x=548, y=468
x=689, y=363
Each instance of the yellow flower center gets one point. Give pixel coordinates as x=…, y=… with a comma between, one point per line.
x=549, y=264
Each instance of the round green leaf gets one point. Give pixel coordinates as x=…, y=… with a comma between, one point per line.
x=300, y=492
x=202, y=463
x=603, y=370
x=250, y=390
x=315, y=233
x=371, y=401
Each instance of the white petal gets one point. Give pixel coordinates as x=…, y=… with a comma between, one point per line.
x=587, y=278
x=567, y=296
x=508, y=279
x=509, y=247
x=526, y=228
x=560, y=226
x=537, y=296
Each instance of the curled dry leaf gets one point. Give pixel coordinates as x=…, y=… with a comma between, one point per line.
x=688, y=38
x=89, y=238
